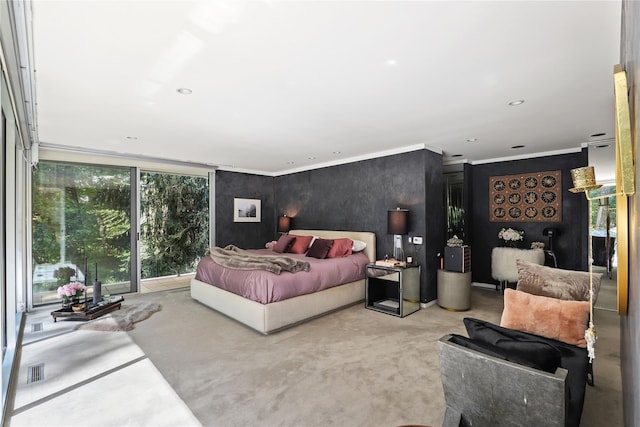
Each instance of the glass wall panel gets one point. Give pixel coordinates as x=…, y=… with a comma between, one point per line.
x=3, y=274
x=81, y=228
x=174, y=228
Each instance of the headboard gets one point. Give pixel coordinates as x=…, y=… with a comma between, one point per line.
x=368, y=237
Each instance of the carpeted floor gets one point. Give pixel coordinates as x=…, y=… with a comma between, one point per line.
x=355, y=367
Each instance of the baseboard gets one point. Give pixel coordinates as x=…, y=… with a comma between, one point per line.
x=483, y=285
x=428, y=304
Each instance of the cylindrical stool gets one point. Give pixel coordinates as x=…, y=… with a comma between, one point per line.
x=454, y=290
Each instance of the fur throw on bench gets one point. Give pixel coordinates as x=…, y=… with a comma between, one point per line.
x=238, y=259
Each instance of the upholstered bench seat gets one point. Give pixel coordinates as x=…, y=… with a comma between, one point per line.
x=504, y=266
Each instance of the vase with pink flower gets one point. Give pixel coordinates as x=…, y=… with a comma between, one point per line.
x=71, y=293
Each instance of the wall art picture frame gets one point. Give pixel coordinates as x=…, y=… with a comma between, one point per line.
x=530, y=197
x=247, y=210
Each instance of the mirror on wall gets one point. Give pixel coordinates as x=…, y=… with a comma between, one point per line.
x=603, y=227
x=453, y=193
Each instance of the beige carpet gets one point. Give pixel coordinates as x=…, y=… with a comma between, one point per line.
x=355, y=367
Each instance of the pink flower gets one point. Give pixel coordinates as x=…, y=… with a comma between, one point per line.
x=73, y=290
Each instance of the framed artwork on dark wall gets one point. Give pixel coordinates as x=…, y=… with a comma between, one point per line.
x=247, y=210
x=532, y=197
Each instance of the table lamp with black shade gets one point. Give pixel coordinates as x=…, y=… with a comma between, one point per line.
x=284, y=224
x=398, y=225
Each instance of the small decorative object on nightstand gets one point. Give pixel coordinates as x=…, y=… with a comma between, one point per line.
x=393, y=290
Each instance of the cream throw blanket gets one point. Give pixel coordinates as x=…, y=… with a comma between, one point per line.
x=238, y=259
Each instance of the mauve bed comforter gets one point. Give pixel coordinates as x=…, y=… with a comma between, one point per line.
x=265, y=287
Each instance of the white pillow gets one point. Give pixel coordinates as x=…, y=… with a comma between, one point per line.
x=358, y=246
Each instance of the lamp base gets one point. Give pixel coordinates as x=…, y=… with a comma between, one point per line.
x=398, y=251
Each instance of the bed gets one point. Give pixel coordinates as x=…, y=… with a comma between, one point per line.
x=274, y=316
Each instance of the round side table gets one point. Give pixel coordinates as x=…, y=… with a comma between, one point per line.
x=454, y=290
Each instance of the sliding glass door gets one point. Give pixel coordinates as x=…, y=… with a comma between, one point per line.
x=174, y=228
x=81, y=228
x=85, y=226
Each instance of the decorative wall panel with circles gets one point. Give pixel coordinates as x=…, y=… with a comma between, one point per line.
x=531, y=197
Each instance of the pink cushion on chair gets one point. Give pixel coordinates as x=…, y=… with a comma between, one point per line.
x=552, y=318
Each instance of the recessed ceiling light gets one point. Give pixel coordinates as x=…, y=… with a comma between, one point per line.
x=602, y=146
x=518, y=146
x=456, y=155
x=184, y=91
x=337, y=152
x=390, y=62
x=516, y=102
x=598, y=134
x=472, y=139
x=311, y=158
x=291, y=163
x=132, y=138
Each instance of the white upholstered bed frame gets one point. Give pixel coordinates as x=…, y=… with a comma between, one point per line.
x=268, y=318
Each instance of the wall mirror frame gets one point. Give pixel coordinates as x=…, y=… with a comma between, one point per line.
x=625, y=183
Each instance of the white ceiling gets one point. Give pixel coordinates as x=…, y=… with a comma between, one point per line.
x=287, y=85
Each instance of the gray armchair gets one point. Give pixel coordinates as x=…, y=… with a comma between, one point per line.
x=483, y=390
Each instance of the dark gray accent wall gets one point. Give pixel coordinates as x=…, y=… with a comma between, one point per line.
x=357, y=196
x=230, y=185
x=571, y=244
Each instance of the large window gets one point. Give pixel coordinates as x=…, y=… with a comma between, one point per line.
x=81, y=227
x=174, y=223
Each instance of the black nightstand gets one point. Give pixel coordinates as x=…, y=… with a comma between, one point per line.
x=393, y=290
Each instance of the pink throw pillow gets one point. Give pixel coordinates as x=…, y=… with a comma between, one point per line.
x=284, y=243
x=301, y=244
x=553, y=318
x=340, y=248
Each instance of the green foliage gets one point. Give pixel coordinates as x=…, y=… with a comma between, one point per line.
x=85, y=209
x=174, y=223
x=63, y=275
x=598, y=205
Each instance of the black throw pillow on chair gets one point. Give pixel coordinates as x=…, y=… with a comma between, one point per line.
x=519, y=347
